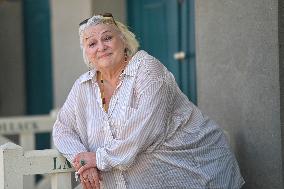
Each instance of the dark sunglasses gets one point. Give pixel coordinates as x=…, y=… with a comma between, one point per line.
x=105, y=15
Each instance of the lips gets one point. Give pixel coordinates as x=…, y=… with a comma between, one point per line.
x=104, y=55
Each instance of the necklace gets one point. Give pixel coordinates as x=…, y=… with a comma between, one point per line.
x=103, y=93
x=103, y=86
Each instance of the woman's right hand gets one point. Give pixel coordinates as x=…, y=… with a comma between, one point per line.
x=90, y=178
x=89, y=159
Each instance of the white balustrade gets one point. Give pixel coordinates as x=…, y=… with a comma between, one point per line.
x=26, y=127
x=15, y=163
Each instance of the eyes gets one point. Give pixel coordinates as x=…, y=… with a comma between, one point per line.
x=106, y=38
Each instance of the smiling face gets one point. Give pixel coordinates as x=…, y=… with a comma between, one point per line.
x=104, y=47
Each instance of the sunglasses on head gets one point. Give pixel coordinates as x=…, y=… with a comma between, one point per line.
x=105, y=15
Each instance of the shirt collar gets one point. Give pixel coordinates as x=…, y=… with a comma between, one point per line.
x=88, y=75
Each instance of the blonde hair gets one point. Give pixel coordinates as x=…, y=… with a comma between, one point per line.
x=127, y=36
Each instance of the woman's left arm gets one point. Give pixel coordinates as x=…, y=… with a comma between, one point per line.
x=141, y=129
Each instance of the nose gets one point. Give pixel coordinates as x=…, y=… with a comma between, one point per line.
x=101, y=46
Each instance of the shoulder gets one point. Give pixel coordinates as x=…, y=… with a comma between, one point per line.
x=151, y=72
x=151, y=67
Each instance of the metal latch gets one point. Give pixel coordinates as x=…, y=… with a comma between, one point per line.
x=179, y=55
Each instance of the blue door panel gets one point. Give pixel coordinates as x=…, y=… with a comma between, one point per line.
x=163, y=28
x=38, y=69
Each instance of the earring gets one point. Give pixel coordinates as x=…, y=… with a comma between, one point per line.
x=125, y=55
x=89, y=66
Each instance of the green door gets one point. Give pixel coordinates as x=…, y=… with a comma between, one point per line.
x=38, y=70
x=165, y=28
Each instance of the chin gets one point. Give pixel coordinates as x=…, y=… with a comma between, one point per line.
x=105, y=63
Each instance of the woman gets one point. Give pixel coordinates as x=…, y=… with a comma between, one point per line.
x=126, y=124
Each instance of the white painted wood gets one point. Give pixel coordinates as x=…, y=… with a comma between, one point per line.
x=27, y=141
x=45, y=161
x=26, y=124
x=14, y=163
x=61, y=181
x=10, y=166
x=26, y=127
x=29, y=182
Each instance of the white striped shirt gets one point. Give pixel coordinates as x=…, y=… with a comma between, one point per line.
x=151, y=137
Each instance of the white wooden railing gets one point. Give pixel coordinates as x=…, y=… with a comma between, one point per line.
x=26, y=127
x=15, y=163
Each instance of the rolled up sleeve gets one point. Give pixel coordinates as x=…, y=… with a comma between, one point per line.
x=65, y=137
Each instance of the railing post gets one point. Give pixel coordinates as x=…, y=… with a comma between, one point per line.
x=53, y=114
x=61, y=181
x=27, y=141
x=11, y=158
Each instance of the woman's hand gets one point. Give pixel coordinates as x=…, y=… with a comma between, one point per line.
x=90, y=178
x=84, y=161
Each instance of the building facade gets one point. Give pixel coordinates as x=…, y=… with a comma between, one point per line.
x=238, y=73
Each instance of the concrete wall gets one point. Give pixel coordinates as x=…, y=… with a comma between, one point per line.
x=67, y=58
x=12, y=89
x=238, y=82
x=117, y=8
x=281, y=70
